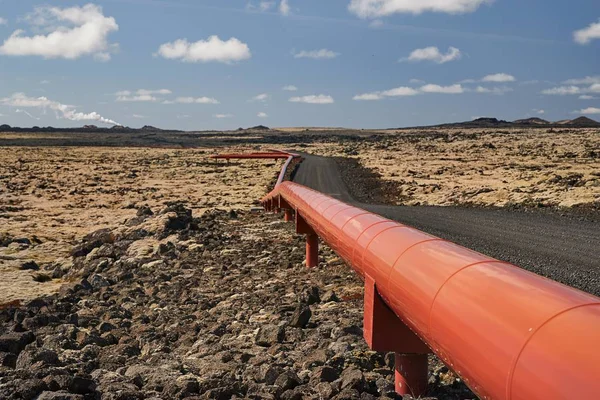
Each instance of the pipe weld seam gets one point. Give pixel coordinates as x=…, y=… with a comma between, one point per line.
x=536, y=330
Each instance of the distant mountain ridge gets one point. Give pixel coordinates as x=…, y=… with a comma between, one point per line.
x=86, y=128
x=490, y=122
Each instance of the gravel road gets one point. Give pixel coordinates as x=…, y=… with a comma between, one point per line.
x=560, y=247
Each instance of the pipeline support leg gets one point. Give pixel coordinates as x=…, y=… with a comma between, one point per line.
x=288, y=215
x=385, y=332
x=312, y=251
x=410, y=373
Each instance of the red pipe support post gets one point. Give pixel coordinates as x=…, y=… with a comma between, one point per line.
x=312, y=251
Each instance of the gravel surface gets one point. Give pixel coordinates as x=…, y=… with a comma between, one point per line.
x=563, y=247
x=168, y=306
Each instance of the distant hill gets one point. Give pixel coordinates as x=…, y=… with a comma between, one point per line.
x=531, y=121
x=583, y=121
x=85, y=129
x=489, y=122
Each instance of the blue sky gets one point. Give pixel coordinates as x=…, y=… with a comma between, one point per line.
x=223, y=64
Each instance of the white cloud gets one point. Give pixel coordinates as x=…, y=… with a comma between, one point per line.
x=137, y=98
x=222, y=116
x=290, y=88
x=368, y=96
x=494, y=90
x=261, y=97
x=563, y=90
x=433, y=54
x=74, y=32
x=452, y=89
x=262, y=115
x=3, y=21
x=586, y=97
x=540, y=111
x=159, y=91
x=140, y=95
x=400, y=91
x=196, y=100
x=408, y=91
x=588, y=80
x=62, y=110
x=211, y=50
x=317, y=54
x=284, y=8
x=589, y=110
x=502, y=77
x=45, y=82
x=313, y=99
x=381, y=8
x=266, y=5
x=586, y=35
x=138, y=116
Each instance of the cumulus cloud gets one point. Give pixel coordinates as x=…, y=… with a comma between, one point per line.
x=284, y=8
x=140, y=95
x=222, y=116
x=588, y=80
x=3, y=21
x=494, y=90
x=211, y=50
x=452, y=89
x=290, y=88
x=562, y=90
x=196, y=100
x=433, y=54
x=540, y=111
x=382, y=8
x=266, y=5
x=586, y=97
x=587, y=34
x=572, y=90
x=589, y=110
x=262, y=115
x=317, y=54
x=65, y=111
x=138, y=116
x=313, y=99
x=501, y=77
x=260, y=97
x=368, y=96
x=403, y=91
x=73, y=32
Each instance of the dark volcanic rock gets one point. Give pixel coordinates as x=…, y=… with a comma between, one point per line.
x=92, y=241
x=269, y=335
x=301, y=316
x=29, y=265
x=15, y=342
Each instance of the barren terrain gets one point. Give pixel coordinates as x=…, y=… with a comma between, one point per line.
x=534, y=167
x=50, y=197
x=142, y=272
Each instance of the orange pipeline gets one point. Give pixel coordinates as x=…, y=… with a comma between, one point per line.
x=509, y=333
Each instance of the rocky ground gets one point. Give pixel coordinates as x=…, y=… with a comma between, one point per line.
x=50, y=197
x=168, y=306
